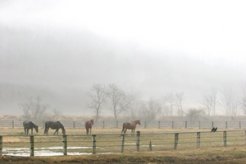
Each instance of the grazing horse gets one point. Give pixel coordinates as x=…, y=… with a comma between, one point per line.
x=132, y=126
x=54, y=125
x=88, y=126
x=29, y=125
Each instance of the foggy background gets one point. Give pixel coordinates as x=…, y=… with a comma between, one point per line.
x=58, y=50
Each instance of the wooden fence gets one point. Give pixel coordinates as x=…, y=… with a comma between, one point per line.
x=113, y=143
x=145, y=124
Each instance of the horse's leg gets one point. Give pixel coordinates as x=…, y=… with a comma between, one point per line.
x=122, y=131
x=56, y=132
x=87, y=131
x=46, y=130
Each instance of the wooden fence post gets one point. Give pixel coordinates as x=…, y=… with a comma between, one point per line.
x=245, y=136
x=122, y=142
x=64, y=144
x=1, y=145
x=159, y=124
x=150, y=145
x=225, y=138
x=13, y=123
x=138, y=140
x=176, y=140
x=94, y=144
x=198, y=139
x=31, y=145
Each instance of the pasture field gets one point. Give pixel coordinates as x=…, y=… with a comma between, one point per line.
x=156, y=146
x=228, y=155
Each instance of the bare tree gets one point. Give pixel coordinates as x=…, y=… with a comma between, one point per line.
x=119, y=100
x=150, y=110
x=244, y=99
x=34, y=109
x=97, y=98
x=56, y=114
x=195, y=114
x=230, y=102
x=210, y=101
x=244, y=104
x=179, y=103
x=168, y=104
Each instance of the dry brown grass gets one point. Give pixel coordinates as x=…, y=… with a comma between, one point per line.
x=211, y=151
x=210, y=155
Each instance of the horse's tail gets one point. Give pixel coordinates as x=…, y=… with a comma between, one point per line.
x=123, y=127
x=46, y=128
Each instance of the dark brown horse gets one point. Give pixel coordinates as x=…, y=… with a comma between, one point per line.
x=29, y=125
x=54, y=125
x=88, y=126
x=128, y=125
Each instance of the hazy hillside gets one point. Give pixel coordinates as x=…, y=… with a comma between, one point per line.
x=61, y=66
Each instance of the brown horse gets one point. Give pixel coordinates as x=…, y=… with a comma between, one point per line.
x=132, y=126
x=88, y=126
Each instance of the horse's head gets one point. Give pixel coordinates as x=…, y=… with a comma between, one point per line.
x=63, y=131
x=138, y=122
x=92, y=122
x=36, y=128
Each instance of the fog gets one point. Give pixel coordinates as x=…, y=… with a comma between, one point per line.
x=59, y=49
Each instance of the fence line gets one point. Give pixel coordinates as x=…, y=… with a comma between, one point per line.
x=111, y=143
x=145, y=124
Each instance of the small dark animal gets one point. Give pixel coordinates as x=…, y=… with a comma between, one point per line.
x=88, y=126
x=132, y=126
x=54, y=125
x=29, y=125
x=214, y=129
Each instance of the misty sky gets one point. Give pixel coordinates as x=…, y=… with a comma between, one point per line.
x=149, y=47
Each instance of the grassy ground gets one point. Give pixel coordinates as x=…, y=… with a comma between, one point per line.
x=109, y=141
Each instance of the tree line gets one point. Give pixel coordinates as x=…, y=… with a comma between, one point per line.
x=119, y=103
